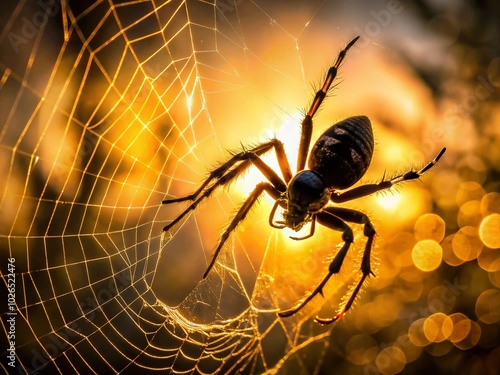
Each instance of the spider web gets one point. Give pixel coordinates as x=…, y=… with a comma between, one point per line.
x=107, y=109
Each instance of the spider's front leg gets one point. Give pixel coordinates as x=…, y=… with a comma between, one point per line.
x=368, y=189
x=241, y=214
x=230, y=170
x=275, y=188
x=244, y=158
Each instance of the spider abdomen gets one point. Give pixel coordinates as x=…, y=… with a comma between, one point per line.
x=342, y=154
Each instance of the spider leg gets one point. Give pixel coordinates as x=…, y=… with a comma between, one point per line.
x=241, y=214
x=307, y=123
x=368, y=189
x=248, y=159
x=369, y=231
x=331, y=221
x=242, y=157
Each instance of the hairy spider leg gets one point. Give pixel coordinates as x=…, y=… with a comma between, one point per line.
x=331, y=221
x=369, y=231
x=334, y=221
x=333, y=218
x=219, y=172
x=241, y=214
x=356, y=217
x=368, y=189
x=247, y=158
x=307, y=122
x=347, y=306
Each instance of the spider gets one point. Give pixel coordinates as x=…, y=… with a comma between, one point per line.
x=338, y=159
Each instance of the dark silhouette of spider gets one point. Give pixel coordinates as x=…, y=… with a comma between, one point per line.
x=338, y=159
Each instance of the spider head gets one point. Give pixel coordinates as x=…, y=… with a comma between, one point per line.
x=306, y=194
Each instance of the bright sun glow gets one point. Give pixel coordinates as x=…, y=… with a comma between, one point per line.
x=389, y=202
x=289, y=134
x=395, y=152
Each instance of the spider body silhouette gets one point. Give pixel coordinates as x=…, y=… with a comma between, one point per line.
x=338, y=159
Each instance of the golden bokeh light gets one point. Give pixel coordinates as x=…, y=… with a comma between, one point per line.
x=461, y=327
x=411, y=290
x=384, y=311
x=445, y=186
x=490, y=204
x=437, y=296
x=439, y=349
x=488, y=306
x=494, y=278
x=399, y=248
x=489, y=231
x=469, y=213
x=364, y=321
x=361, y=349
x=469, y=191
x=489, y=260
x=472, y=337
x=412, y=352
x=449, y=255
x=466, y=243
x=437, y=327
x=427, y=255
x=430, y=227
x=441, y=330
x=416, y=333
x=391, y=360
